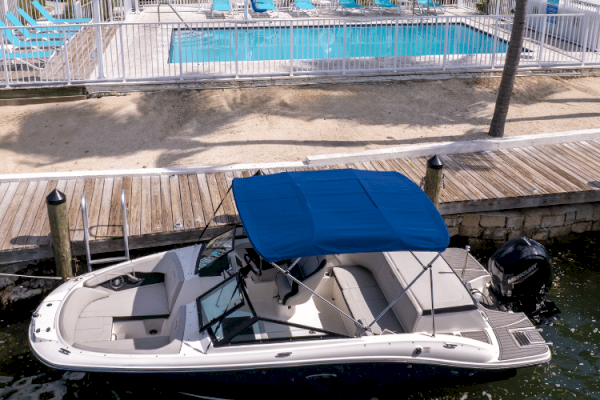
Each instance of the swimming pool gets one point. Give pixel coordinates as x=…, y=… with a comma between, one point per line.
x=326, y=42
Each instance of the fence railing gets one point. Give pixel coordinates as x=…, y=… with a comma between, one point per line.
x=155, y=52
x=506, y=7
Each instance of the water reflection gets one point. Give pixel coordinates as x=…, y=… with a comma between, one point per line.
x=573, y=371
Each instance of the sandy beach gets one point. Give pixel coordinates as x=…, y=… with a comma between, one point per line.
x=227, y=126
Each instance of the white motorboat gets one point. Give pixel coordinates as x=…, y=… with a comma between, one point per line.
x=337, y=267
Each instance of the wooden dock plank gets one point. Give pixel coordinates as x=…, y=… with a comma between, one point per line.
x=165, y=200
x=517, y=175
x=207, y=201
x=101, y=231
x=475, y=164
x=146, y=214
x=88, y=191
x=591, y=152
x=127, y=187
x=508, y=181
x=215, y=196
x=453, y=174
x=39, y=201
x=115, y=218
x=474, y=176
x=7, y=199
x=187, y=209
x=156, y=206
x=176, y=206
x=544, y=171
x=527, y=172
x=134, y=210
x=194, y=193
x=94, y=204
x=3, y=190
x=566, y=163
x=41, y=217
x=75, y=207
x=550, y=162
x=10, y=231
x=585, y=157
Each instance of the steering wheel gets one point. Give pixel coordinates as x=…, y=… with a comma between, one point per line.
x=250, y=264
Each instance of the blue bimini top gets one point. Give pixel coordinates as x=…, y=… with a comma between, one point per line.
x=300, y=214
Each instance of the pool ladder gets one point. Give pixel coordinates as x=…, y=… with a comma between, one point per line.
x=86, y=234
x=176, y=13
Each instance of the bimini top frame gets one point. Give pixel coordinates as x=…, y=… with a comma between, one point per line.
x=300, y=214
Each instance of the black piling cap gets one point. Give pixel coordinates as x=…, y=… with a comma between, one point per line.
x=259, y=173
x=435, y=162
x=56, y=197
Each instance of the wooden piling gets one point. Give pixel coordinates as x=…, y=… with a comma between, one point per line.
x=59, y=229
x=433, y=179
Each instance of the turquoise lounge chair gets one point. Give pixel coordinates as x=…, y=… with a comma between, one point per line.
x=304, y=5
x=39, y=27
x=53, y=20
x=25, y=32
x=28, y=44
x=432, y=6
x=261, y=6
x=22, y=58
x=382, y=4
x=220, y=5
x=345, y=4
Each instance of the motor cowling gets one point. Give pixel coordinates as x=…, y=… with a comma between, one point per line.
x=521, y=274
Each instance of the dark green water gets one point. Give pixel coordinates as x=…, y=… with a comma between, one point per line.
x=572, y=373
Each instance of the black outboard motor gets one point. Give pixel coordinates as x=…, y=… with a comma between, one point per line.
x=522, y=277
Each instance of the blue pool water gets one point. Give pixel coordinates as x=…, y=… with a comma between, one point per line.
x=325, y=42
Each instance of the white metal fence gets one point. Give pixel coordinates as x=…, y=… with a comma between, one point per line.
x=110, y=10
x=506, y=7
x=155, y=52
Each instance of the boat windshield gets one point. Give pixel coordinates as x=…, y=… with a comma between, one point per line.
x=212, y=260
x=220, y=301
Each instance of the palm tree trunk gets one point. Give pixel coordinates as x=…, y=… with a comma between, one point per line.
x=513, y=55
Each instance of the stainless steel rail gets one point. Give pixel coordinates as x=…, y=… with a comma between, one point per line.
x=86, y=234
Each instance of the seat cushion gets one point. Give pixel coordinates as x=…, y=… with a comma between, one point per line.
x=364, y=298
x=93, y=329
x=140, y=301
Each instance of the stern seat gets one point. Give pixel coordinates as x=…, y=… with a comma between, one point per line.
x=141, y=319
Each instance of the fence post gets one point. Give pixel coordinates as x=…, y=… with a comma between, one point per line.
x=58, y=217
x=122, y=52
x=586, y=28
x=66, y=51
x=542, y=40
x=180, y=56
x=396, y=47
x=344, y=51
x=6, y=75
x=292, y=48
x=236, y=50
x=98, y=29
x=137, y=6
x=446, y=43
x=498, y=7
x=434, y=179
x=495, y=37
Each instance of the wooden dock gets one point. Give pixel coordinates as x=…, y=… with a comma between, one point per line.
x=164, y=209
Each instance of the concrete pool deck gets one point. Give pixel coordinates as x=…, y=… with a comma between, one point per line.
x=227, y=126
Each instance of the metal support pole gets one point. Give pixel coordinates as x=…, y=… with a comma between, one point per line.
x=446, y=43
x=395, y=46
x=236, y=51
x=586, y=28
x=434, y=179
x=432, y=305
x=59, y=229
x=66, y=55
x=122, y=52
x=125, y=225
x=425, y=268
x=542, y=40
x=462, y=274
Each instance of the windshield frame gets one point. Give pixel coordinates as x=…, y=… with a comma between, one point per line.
x=204, y=247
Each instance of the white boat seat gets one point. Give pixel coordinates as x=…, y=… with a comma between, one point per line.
x=309, y=271
x=168, y=342
x=364, y=299
x=136, y=302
